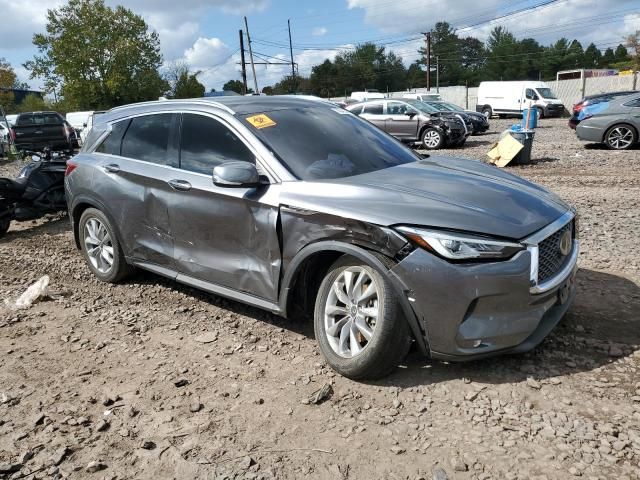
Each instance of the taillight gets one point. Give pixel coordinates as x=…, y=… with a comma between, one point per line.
x=71, y=166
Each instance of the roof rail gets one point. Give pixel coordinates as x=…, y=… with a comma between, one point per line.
x=186, y=100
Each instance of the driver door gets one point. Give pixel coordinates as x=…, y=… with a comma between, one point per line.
x=225, y=236
x=399, y=120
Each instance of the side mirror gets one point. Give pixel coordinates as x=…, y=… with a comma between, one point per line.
x=236, y=174
x=410, y=114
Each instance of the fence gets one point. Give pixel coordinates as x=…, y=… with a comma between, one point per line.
x=568, y=91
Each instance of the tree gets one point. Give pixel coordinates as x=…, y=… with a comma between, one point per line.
x=101, y=56
x=182, y=83
x=32, y=103
x=446, y=48
x=621, y=54
x=502, y=51
x=575, y=56
x=592, y=56
x=8, y=79
x=608, y=58
x=235, y=86
x=633, y=44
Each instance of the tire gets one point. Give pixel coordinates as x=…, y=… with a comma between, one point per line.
x=389, y=333
x=4, y=225
x=487, y=112
x=540, y=113
x=620, y=137
x=432, y=138
x=95, y=229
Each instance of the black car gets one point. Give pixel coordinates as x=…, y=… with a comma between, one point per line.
x=593, y=100
x=479, y=122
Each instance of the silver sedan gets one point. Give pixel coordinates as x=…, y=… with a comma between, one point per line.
x=615, y=123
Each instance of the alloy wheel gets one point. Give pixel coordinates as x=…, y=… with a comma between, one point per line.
x=620, y=138
x=98, y=245
x=432, y=139
x=351, y=311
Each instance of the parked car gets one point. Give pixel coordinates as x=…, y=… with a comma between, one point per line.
x=423, y=97
x=589, y=100
x=371, y=94
x=479, y=122
x=300, y=208
x=4, y=138
x=38, y=130
x=510, y=98
x=413, y=121
x=615, y=123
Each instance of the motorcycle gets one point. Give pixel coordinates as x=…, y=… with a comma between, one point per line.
x=38, y=189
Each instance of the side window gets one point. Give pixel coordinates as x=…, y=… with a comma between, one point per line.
x=373, y=109
x=38, y=119
x=205, y=143
x=396, y=108
x=52, y=119
x=356, y=110
x=633, y=103
x=112, y=143
x=147, y=138
x=25, y=119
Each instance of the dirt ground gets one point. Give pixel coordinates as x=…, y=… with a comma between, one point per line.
x=151, y=379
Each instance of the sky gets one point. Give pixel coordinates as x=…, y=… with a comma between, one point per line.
x=204, y=33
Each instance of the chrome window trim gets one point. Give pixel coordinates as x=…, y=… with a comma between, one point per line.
x=532, y=246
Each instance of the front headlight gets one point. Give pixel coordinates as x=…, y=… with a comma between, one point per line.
x=457, y=246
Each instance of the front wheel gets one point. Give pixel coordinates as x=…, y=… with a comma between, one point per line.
x=540, y=112
x=432, y=139
x=358, y=321
x=487, y=112
x=620, y=137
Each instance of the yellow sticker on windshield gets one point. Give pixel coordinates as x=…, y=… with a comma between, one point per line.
x=260, y=121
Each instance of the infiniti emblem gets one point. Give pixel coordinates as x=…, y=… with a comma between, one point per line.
x=565, y=243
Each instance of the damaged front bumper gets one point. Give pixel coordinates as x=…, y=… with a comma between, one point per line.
x=470, y=311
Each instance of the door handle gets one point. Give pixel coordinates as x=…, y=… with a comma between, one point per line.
x=112, y=168
x=181, y=185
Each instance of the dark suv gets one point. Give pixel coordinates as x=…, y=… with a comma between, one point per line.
x=302, y=208
x=37, y=130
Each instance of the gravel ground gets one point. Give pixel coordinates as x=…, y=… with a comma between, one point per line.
x=150, y=379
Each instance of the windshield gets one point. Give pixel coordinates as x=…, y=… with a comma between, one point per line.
x=546, y=92
x=422, y=106
x=318, y=143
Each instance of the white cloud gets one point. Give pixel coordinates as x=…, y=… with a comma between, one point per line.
x=319, y=31
x=631, y=23
x=20, y=20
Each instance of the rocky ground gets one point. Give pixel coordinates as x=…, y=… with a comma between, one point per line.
x=150, y=379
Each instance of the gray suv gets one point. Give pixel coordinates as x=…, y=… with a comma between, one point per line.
x=303, y=209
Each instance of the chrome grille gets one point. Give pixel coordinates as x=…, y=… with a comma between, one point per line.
x=550, y=258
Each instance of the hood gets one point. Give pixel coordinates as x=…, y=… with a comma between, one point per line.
x=441, y=192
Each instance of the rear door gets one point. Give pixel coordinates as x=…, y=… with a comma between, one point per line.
x=136, y=165
x=374, y=112
x=224, y=236
x=401, y=120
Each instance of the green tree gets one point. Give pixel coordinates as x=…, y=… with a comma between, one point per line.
x=608, y=58
x=32, y=103
x=8, y=80
x=235, y=86
x=446, y=50
x=188, y=86
x=472, y=59
x=102, y=56
x=575, y=56
x=592, y=56
x=621, y=54
x=324, y=81
x=416, y=76
x=502, y=55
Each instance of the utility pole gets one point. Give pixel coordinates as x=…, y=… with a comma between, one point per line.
x=244, y=65
x=427, y=39
x=253, y=67
x=438, y=73
x=293, y=68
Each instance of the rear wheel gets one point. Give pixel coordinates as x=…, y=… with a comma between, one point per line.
x=432, y=139
x=101, y=247
x=358, y=321
x=620, y=137
x=540, y=112
x=487, y=112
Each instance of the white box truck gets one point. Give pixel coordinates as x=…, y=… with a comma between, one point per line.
x=510, y=98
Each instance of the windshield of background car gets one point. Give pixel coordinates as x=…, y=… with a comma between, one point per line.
x=546, y=93
x=320, y=143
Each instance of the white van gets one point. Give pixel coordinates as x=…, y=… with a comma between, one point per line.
x=78, y=120
x=366, y=95
x=510, y=98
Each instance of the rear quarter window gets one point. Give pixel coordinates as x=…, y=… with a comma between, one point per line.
x=113, y=142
